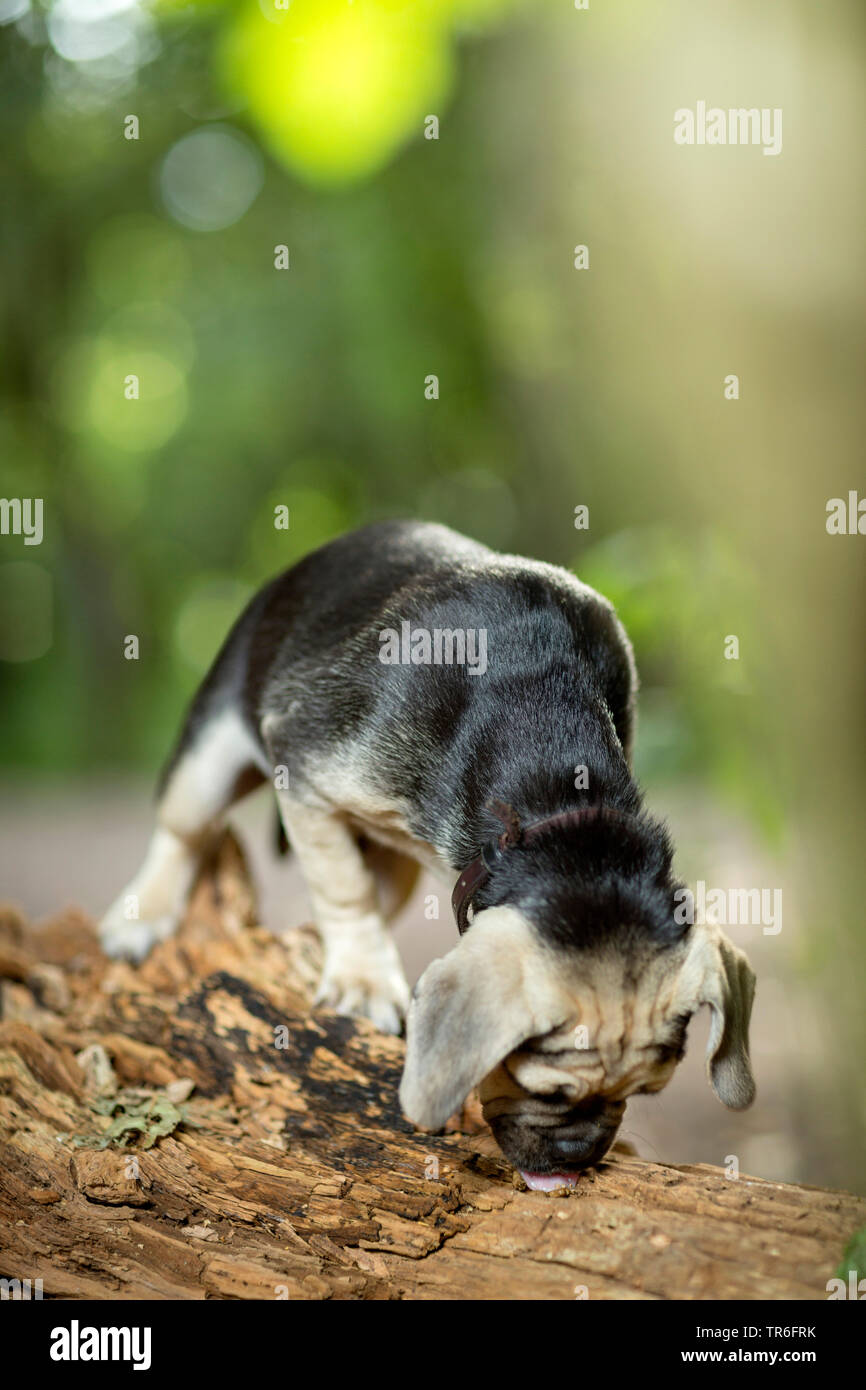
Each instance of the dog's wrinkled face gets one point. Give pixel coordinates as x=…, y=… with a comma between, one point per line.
x=558, y=1042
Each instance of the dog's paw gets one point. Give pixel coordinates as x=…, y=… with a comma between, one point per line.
x=367, y=987
x=122, y=938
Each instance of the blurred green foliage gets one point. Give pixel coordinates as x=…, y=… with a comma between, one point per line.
x=303, y=388
x=854, y=1258
x=698, y=716
x=335, y=88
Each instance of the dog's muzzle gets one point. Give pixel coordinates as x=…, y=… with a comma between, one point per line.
x=551, y=1149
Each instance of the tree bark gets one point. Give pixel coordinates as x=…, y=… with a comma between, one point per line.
x=254, y=1148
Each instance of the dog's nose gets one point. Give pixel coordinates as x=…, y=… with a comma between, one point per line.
x=586, y=1138
x=584, y=1148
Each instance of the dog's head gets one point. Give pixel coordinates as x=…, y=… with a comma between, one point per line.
x=558, y=1039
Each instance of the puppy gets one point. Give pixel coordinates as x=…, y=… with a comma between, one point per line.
x=412, y=695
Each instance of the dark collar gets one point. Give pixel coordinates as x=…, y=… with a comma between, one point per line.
x=477, y=873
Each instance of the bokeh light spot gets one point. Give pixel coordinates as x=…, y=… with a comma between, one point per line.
x=337, y=88
x=92, y=399
x=84, y=31
x=210, y=178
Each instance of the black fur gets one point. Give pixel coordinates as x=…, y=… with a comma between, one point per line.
x=558, y=693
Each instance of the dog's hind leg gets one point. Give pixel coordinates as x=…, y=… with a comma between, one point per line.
x=218, y=761
x=362, y=973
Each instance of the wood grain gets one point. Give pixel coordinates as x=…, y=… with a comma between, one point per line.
x=291, y=1172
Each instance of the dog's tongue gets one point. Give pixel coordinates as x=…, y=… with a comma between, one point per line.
x=548, y=1182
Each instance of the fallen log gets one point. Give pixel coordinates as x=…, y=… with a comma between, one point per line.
x=192, y=1129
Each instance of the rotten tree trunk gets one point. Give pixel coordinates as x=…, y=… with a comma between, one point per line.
x=191, y=1129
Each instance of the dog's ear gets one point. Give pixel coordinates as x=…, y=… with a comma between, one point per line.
x=497, y=988
x=716, y=972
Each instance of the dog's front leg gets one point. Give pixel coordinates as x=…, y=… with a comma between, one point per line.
x=362, y=973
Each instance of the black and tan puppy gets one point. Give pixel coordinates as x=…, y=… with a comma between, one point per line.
x=405, y=687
